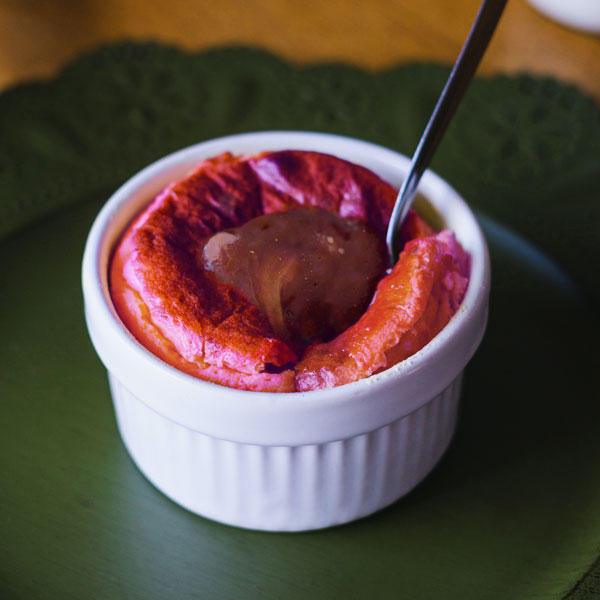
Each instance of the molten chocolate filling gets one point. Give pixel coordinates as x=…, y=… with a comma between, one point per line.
x=309, y=271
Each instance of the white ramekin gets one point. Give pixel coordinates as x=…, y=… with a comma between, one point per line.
x=294, y=461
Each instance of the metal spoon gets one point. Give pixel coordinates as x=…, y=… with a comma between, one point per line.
x=464, y=68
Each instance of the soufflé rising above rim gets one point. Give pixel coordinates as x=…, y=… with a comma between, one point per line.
x=266, y=272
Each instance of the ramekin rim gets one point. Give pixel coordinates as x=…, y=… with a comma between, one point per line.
x=476, y=293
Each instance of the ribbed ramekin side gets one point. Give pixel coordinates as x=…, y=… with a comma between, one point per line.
x=286, y=488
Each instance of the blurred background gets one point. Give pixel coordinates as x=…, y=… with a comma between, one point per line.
x=38, y=37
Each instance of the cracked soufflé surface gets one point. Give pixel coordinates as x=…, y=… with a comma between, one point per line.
x=179, y=310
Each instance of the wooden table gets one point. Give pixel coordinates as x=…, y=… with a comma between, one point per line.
x=36, y=39
x=521, y=480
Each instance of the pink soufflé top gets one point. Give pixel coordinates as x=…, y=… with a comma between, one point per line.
x=180, y=311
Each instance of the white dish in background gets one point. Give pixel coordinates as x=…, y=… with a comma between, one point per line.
x=579, y=14
x=294, y=461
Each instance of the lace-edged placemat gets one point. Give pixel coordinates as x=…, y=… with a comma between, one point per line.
x=525, y=150
x=522, y=149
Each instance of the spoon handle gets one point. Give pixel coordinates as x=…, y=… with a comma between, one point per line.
x=464, y=68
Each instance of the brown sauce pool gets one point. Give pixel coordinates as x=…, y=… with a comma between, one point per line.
x=309, y=271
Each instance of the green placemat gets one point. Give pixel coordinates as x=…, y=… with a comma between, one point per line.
x=512, y=512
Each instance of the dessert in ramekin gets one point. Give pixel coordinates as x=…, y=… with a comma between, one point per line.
x=284, y=461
